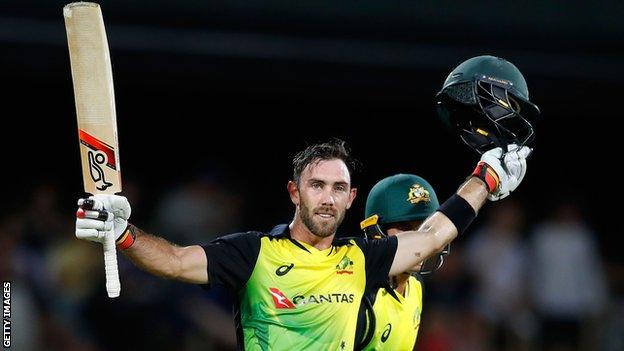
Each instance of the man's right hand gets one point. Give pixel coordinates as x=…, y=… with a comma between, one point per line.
x=101, y=215
x=509, y=169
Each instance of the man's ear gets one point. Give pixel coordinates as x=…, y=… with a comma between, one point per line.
x=293, y=191
x=352, y=196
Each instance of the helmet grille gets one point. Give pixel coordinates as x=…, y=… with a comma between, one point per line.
x=462, y=92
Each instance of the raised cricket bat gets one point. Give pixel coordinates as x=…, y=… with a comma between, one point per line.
x=95, y=109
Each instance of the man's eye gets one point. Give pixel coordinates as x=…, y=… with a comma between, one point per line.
x=317, y=185
x=341, y=188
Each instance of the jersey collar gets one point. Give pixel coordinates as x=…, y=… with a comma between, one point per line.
x=283, y=231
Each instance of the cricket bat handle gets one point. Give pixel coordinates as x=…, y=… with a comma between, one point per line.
x=113, y=287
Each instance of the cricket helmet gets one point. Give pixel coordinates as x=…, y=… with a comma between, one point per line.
x=486, y=101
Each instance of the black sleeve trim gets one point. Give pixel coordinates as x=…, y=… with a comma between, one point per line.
x=379, y=255
x=231, y=259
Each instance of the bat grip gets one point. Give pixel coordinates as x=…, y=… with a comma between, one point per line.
x=113, y=287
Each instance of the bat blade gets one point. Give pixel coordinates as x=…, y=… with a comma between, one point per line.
x=95, y=109
x=95, y=98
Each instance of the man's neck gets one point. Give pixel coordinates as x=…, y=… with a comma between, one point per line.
x=300, y=232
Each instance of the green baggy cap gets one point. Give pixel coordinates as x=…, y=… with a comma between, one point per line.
x=401, y=198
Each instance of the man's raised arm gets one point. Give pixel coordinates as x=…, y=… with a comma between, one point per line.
x=102, y=215
x=494, y=178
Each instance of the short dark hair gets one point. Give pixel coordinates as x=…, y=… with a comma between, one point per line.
x=330, y=150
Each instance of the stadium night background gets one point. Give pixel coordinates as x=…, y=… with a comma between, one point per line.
x=213, y=100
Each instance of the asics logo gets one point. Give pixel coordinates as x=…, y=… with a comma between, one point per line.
x=282, y=270
x=386, y=332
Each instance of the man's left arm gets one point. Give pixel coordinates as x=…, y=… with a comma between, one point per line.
x=494, y=178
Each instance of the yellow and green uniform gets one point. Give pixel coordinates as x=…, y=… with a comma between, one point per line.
x=292, y=296
x=397, y=317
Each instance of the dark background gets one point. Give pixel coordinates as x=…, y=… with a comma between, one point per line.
x=240, y=87
x=233, y=89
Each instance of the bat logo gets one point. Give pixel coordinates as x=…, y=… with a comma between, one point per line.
x=97, y=173
x=95, y=144
x=100, y=154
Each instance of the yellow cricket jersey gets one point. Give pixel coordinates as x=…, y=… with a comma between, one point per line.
x=292, y=296
x=397, y=318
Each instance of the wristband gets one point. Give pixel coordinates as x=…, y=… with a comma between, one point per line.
x=127, y=238
x=484, y=172
x=458, y=211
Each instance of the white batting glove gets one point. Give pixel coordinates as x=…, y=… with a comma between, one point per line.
x=509, y=169
x=101, y=215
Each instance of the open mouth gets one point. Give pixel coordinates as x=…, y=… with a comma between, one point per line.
x=325, y=215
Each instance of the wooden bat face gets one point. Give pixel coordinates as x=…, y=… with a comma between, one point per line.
x=95, y=98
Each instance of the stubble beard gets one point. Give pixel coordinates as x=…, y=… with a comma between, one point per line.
x=318, y=228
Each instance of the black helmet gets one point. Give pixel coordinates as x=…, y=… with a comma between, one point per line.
x=486, y=101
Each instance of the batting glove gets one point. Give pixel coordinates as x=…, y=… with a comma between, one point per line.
x=101, y=215
x=502, y=172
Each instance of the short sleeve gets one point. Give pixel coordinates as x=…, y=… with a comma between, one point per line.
x=231, y=259
x=379, y=255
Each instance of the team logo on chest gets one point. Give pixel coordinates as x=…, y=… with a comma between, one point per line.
x=345, y=266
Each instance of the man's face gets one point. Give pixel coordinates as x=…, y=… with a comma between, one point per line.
x=323, y=196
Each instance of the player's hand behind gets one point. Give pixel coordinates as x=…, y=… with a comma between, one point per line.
x=101, y=215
